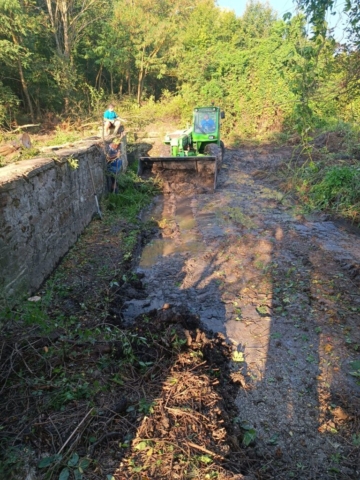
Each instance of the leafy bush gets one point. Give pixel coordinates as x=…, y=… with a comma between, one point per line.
x=336, y=189
x=339, y=187
x=134, y=194
x=7, y=101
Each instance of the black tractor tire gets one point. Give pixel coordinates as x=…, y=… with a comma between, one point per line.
x=212, y=149
x=222, y=146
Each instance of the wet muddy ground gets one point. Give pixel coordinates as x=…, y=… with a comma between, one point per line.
x=220, y=341
x=284, y=290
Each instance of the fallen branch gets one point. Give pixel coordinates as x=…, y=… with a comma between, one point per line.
x=26, y=126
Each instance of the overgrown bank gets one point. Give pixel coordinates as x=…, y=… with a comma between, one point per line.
x=324, y=174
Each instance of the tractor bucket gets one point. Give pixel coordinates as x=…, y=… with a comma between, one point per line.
x=181, y=174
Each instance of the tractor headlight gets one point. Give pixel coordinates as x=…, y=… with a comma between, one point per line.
x=211, y=137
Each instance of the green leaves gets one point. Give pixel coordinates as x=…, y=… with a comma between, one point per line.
x=47, y=461
x=249, y=436
x=75, y=465
x=64, y=474
x=355, y=368
x=205, y=459
x=142, y=445
x=73, y=460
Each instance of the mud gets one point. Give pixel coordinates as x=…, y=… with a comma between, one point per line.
x=284, y=290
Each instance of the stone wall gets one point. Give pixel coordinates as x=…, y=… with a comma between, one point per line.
x=45, y=204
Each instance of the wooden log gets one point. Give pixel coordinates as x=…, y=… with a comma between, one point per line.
x=6, y=150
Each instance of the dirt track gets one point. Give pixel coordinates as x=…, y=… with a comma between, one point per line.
x=283, y=289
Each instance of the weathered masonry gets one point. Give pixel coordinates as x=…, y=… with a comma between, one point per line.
x=45, y=204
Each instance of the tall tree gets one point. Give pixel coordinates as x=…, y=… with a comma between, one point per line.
x=69, y=20
x=15, y=25
x=149, y=30
x=316, y=11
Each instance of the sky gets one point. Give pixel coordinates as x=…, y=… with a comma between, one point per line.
x=282, y=7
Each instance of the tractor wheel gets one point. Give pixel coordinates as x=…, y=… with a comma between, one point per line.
x=213, y=150
x=222, y=146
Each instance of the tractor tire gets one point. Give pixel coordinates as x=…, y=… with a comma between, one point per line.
x=222, y=146
x=215, y=151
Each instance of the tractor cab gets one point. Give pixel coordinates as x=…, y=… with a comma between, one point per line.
x=205, y=121
x=206, y=126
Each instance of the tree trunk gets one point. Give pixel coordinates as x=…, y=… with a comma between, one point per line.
x=24, y=84
x=141, y=81
x=54, y=27
x=128, y=78
x=98, y=78
x=65, y=24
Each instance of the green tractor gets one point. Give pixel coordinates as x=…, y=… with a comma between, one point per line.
x=195, y=154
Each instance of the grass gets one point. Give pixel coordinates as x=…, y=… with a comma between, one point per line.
x=334, y=189
x=134, y=194
x=59, y=358
x=62, y=136
x=327, y=178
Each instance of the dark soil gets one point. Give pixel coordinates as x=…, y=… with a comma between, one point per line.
x=219, y=341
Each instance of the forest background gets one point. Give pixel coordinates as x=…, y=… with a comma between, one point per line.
x=65, y=59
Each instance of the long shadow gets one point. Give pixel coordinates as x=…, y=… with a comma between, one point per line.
x=287, y=328
x=267, y=280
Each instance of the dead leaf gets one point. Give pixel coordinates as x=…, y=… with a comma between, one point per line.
x=339, y=414
x=328, y=348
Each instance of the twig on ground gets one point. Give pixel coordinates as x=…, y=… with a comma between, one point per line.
x=205, y=450
x=76, y=429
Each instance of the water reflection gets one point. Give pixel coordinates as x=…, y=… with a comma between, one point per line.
x=179, y=234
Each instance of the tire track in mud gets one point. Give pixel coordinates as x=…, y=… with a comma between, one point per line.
x=284, y=290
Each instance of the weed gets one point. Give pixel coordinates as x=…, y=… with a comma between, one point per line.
x=334, y=188
x=176, y=342
x=12, y=461
x=62, y=137
x=134, y=194
x=73, y=162
x=75, y=466
x=146, y=407
x=236, y=215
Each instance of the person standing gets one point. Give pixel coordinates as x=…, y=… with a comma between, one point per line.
x=114, y=164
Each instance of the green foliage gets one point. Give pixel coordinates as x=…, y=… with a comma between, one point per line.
x=12, y=461
x=62, y=136
x=73, y=163
x=74, y=468
x=265, y=72
x=335, y=188
x=134, y=194
x=8, y=103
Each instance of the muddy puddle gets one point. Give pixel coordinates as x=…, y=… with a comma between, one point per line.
x=179, y=234
x=284, y=290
